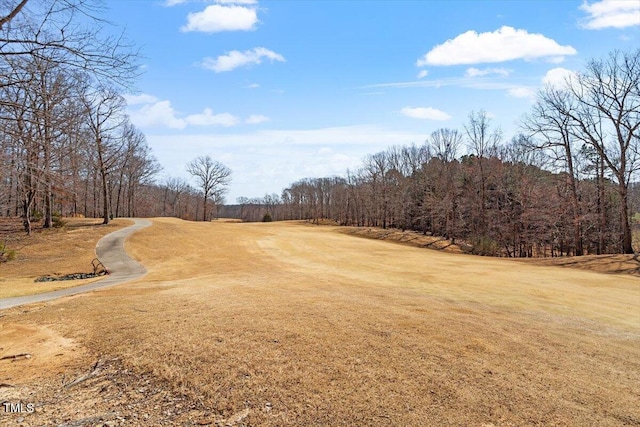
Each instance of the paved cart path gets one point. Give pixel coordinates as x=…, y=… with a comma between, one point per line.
x=110, y=250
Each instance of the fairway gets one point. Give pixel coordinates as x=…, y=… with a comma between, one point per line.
x=295, y=324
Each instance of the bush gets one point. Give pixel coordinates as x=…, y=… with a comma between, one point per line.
x=6, y=254
x=267, y=217
x=486, y=246
x=36, y=215
x=58, y=222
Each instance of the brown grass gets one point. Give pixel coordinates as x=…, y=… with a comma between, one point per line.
x=407, y=237
x=55, y=252
x=288, y=324
x=613, y=264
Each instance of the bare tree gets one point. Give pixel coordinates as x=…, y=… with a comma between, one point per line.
x=72, y=32
x=483, y=143
x=377, y=168
x=551, y=131
x=175, y=191
x=104, y=115
x=483, y=140
x=608, y=119
x=445, y=144
x=135, y=167
x=12, y=12
x=44, y=45
x=213, y=178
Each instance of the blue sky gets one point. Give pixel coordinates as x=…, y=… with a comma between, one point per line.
x=282, y=90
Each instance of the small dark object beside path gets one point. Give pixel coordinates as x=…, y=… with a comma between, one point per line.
x=98, y=270
x=110, y=249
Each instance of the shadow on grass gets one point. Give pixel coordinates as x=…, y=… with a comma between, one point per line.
x=407, y=237
x=611, y=264
x=608, y=264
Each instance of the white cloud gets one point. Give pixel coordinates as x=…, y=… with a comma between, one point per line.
x=151, y=112
x=464, y=82
x=449, y=81
x=256, y=155
x=555, y=59
x=253, y=86
x=361, y=135
x=504, y=44
x=216, y=18
x=143, y=98
x=475, y=72
x=170, y=3
x=157, y=114
x=255, y=119
x=559, y=77
x=236, y=1
x=235, y=59
x=522, y=92
x=425, y=113
x=611, y=14
x=207, y=118
x=422, y=74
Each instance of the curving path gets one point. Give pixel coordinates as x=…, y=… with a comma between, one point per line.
x=110, y=250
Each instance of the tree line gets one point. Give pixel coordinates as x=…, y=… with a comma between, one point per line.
x=562, y=186
x=67, y=147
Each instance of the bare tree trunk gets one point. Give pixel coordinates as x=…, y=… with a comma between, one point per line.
x=119, y=193
x=577, y=226
x=602, y=216
x=105, y=186
x=627, y=239
x=48, y=208
x=204, y=215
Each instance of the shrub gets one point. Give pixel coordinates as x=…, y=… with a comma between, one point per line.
x=267, y=217
x=6, y=254
x=36, y=215
x=486, y=246
x=58, y=222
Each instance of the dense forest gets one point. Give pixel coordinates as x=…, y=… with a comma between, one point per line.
x=562, y=186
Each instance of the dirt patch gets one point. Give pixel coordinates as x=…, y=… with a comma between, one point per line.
x=29, y=352
x=107, y=393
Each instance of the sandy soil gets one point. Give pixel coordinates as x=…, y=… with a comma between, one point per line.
x=294, y=324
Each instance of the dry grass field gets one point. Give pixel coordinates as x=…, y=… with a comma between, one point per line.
x=293, y=324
